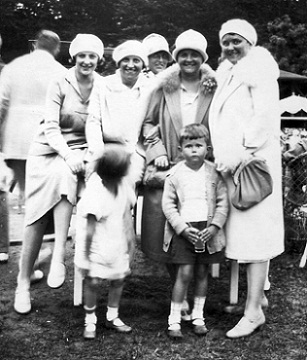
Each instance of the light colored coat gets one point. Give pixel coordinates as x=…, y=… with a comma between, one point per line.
x=23, y=89
x=217, y=201
x=165, y=110
x=244, y=118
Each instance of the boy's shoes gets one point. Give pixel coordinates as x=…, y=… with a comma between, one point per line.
x=89, y=331
x=246, y=326
x=118, y=325
x=56, y=276
x=22, y=302
x=4, y=257
x=36, y=276
x=174, y=331
x=199, y=327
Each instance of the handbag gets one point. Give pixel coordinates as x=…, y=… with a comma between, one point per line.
x=253, y=183
x=154, y=177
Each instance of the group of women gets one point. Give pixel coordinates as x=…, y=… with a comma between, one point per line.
x=146, y=110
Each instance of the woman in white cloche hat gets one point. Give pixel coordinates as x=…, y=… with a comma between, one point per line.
x=244, y=121
x=183, y=97
x=158, y=54
x=55, y=167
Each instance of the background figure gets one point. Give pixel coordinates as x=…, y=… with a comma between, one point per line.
x=102, y=240
x=23, y=88
x=183, y=97
x=55, y=166
x=244, y=120
x=158, y=54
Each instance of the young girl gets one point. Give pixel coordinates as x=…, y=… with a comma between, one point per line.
x=102, y=244
x=195, y=205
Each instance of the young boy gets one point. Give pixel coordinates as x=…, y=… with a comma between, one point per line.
x=195, y=205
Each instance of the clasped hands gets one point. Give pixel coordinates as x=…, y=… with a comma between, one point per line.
x=193, y=235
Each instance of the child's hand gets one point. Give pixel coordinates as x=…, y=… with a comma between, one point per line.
x=190, y=234
x=208, y=233
x=75, y=164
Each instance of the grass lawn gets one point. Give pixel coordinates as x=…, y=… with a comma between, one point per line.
x=53, y=330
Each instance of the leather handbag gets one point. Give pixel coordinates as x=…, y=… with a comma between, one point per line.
x=253, y=183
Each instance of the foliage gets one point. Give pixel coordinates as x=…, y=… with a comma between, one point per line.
x=117, y=20
x=288, y=44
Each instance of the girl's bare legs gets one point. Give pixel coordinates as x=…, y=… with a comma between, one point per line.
x=32, y=241
x=62, y=214
x=115, y=294
x=90, y=301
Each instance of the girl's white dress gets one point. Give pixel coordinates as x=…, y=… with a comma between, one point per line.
x=108, y=258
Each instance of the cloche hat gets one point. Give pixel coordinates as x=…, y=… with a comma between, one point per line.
x=191, y=39
x=154, y=43
x=86, y=42
x=130, y=48
x=240, y=27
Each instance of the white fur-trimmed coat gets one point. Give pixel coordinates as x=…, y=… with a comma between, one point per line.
x=244, y=118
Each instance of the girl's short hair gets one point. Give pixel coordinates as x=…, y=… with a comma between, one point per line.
x=193, y=131
x=114, y=163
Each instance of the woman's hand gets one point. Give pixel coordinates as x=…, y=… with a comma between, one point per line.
x=190, y=234
x=162, y=162
x=208, y=233
x=75, y=163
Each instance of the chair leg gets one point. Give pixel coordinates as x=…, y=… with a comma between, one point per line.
x=234, y=282
x=78, y=286
x=215, y=270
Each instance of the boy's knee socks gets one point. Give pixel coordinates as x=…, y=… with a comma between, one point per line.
x=198, y=308
x=175, y=313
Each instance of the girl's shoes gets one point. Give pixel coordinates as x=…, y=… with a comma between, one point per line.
x=118, y=325
x=246, y=326
x=89, y=331
x=199, y=327
x=4, y=257
x=174, y=331
x=90, y=326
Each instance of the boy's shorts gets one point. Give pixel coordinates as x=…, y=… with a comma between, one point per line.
x=182, y=251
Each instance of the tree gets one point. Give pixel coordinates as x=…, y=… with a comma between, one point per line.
x=288, y=43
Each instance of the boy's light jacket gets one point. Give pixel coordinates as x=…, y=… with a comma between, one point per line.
x=217, y=205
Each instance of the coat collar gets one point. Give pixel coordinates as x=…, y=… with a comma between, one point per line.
x=170, y=79
x=170, y=83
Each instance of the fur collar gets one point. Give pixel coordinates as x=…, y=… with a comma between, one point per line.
x=257, y=65
x=169, y=79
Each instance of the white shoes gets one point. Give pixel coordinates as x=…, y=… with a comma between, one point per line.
x=22, y=302
x=36, y=276
x=246, y=327
x=4, y=257
x=56, y=276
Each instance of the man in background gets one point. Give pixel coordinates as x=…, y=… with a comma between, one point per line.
x=23, y=87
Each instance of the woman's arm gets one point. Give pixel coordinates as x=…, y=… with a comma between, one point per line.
x=151, y=132
x=54, y=102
